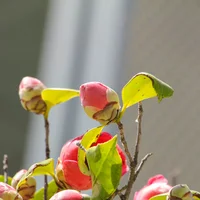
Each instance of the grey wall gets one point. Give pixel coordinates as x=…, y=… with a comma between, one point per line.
x=21, y=28
x=165, y=41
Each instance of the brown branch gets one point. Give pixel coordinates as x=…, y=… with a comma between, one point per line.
x=47, y=149
x=123, y=141
x=139, y=133
x=141, y=164
x=134, y=161
x=118, y=192
x=5, y=168
x=47, y=153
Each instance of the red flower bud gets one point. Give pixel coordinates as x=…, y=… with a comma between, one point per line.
x=67, y=168
x=100, y=102
x=30, y=95
x=8, y=193
x=69, y=195
x=27, y=189
x=155, y=185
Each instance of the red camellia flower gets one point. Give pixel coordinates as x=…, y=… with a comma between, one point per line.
x=100, y=102
x=67, y=169
x=30, y=95
x=69, y=195
x=155, y=185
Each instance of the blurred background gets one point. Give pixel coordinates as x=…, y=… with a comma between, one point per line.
x=66, y=43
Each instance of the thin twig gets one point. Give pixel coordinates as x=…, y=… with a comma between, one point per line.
x=47, y=149
x=123, y=141
x=47, y=152
x=5, y=168
x=141, y=164
x=139, y=133
x=118, y=192
x=134, y=162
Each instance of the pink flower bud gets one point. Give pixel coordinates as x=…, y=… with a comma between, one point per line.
x=27, y=189
x=30, y=95
x=100, y=102
x=69, y=195
x=155, y=185
x=8, y=193
x=67, y=169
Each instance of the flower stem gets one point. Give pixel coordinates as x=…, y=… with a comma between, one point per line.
x=47, y=152
x=5, y=168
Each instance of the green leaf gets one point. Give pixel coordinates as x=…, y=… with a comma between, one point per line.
x=196, y=195
x=54, y=96
x=105, y=165
x=88, y=139
x=159, y=197
x=2, y=179
x=52, y=189
x=144, y=86
x=45, y=167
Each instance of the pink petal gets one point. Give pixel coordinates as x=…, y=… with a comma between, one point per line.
x=159, y=178
x=93, y=94
x=74, y=177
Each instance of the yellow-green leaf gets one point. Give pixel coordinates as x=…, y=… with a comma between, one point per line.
x=2, y=179
x=144, y=86
x=105, y=165
x=52, y=189
x=45, y=167
x=54, y=96
x=196, y=195
x=88, y=139
x=159, y=197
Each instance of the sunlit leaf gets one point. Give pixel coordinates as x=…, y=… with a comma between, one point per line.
x=159, y=197
x=105, y=165
x=45, y=167
x=144, y=86
x=54, y=96
x=2, y=179
x=196, y=195
x=88, y=139
x=52, y=189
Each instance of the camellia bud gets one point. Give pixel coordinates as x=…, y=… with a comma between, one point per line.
x=27, y=189
x=30, y=95
x=180, y=192
x=100, y=102
x=157, y=184
x=8, y=193
x=69, y=195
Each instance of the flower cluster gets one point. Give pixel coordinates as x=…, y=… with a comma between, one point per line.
x=93, y=160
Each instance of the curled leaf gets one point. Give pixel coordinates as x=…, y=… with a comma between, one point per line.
x=88, y=139
x=45, y=167
x=54, y=96
x=144, y=86
x=196, y=195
